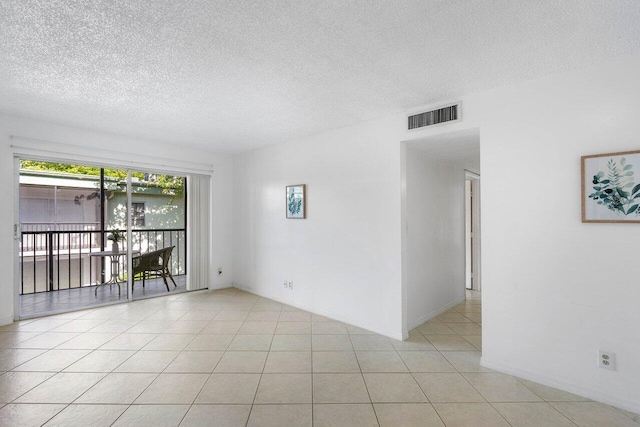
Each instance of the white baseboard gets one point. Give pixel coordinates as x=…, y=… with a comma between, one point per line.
x=436, y=312
x=325, y=313
x=218, y=287
x=591, y=393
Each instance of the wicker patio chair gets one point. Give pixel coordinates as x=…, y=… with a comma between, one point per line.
x=154, y=264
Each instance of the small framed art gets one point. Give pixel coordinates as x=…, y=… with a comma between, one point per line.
x=611, y=187
x=295, y=202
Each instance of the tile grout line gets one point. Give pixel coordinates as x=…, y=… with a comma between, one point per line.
x=459, y=372
x=129, y=405
x=156, y=377
x=462, y=371
x=416, y=381
x=366, y=387
x=542, y=398
x=468, y=382
x=312, y=372
x=263, y=366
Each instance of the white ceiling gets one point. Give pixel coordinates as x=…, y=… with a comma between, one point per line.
x=237, y=74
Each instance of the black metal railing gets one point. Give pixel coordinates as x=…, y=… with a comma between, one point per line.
x=57, y=259
x=59, y=226
x=39, y=237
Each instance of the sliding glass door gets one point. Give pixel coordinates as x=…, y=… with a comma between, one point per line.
x=82, y=229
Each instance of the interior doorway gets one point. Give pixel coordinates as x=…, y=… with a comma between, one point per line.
x=433, y=223
x=472, y=231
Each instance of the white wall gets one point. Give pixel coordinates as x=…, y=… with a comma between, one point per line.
x=8, y=246
x=344, y=259
x=556, y=290
x=222, y=214
x=128, y=148
x=435, y=235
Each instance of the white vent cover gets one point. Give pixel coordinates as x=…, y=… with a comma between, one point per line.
x=434, y=117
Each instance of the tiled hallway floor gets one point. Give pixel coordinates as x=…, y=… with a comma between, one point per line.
x=230, y=358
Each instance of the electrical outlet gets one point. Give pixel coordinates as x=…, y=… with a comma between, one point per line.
x=285, y=284
x=607, y=360
x=291, y=286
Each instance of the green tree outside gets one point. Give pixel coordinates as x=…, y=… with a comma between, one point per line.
x=171, y=185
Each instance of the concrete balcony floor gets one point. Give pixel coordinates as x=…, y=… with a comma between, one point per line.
x=44, y=303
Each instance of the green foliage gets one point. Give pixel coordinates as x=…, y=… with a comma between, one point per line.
x=293, y=204
x=117, y=236
x=75, y=169
x=171, y=185
x=613, y=191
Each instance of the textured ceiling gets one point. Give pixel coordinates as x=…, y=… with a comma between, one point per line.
x=233, y=75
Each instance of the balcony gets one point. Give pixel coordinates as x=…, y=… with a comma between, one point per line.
x=58, y=273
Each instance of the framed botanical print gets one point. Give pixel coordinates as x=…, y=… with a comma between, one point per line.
x=295, y=202
x=611, y=187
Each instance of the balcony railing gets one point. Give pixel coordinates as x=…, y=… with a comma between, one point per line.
x=59, y=257
x=59, y=226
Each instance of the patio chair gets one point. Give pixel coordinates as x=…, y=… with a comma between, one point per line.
x=154, y=264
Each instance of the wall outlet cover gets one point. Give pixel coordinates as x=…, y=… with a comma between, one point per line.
x=606, y=360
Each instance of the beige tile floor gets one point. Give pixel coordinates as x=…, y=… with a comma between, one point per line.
x=230, y=358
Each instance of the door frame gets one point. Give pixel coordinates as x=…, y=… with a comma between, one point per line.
x=17, y=232
x=472, y=231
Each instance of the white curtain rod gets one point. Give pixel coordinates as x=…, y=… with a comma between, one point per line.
x=99, y=156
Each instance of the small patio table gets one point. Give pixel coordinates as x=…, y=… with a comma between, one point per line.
x=114, y=257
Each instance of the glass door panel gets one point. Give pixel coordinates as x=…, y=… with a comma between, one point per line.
x=114, y=220
x=66, y=213
x=158, y=234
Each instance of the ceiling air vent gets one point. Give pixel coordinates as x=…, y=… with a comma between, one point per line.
x=441, y=115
